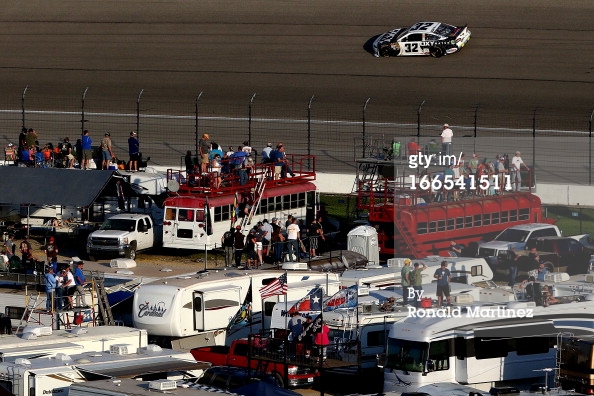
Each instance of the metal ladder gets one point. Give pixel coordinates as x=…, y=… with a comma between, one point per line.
x=102, y=301
x=558, y=355
x=257, y=198
x=33, y=302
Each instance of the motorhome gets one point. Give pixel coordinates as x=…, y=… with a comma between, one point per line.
x=46, y=342
x=463, y=269
x=196, y=310
x=480, y=345
x=54, y=375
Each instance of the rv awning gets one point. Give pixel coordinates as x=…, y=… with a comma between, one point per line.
x=55, y=186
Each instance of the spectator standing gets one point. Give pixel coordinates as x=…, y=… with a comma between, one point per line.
x=22, y=140
x=228, y=241
x=250, y=250
x=67, y=153
x=238, y=245
x=69, y=286
x=51, y=251
x=455, y=249
x=473, y=163
x=189, y=162
x=59, y=290
x=293, y=240
x=416, y=279
x=405, y=281
x=133, y=152
x=31, y=138
x=79, y=281
x=10, y=246
x=266, y=153
x=515, y=171
x=542, y=272
x=267, y=229
x=87, y=150
x=322, y=341
x=106, y=151
x=204, y=147
x=443, y=277
x=25, y=248
x=247, y=148
x=278, y=241
x=512, y=258
x=446, y=140
x=413, y=147
x=50, y=287
x=216, y=168
x=315, y=233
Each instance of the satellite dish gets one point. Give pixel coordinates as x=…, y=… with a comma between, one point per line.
x=173, y=185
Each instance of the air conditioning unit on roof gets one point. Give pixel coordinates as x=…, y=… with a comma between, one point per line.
x=38, y=330
x=163, y=385
x=121, y=349
x=122, y=263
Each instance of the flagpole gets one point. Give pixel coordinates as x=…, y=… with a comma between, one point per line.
x=249, y=307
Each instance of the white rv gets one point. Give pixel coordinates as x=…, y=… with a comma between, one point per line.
x=481, y=345
x=46, y=342
x=54, y=375
x=195, y=310
x=463, y=269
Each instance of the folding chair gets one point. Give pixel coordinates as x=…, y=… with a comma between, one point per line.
x=9, y=154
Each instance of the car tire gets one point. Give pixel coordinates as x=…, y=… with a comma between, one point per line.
x=131, y=251
x=436, y=52
x=278, y=379
x=385, y=51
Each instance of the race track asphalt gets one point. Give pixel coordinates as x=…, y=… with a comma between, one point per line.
x=526, y=57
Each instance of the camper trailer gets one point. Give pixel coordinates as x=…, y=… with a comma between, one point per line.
x=192, y=311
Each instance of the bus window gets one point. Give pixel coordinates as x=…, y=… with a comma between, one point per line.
x=477, y=220
x=185, y=215
x=524, y=214
x=170, y=214
x=513, y=215
x=468, y=221
x=495, y=218
x=504, y=216
x=486, y=218
x=451, y=224
x=459, y=222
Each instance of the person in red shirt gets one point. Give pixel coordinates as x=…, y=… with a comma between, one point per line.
x=413, y=147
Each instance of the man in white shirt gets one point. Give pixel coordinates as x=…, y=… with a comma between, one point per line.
x=267, y=229
x=515, y=171
x=446, y=140
x=293, y=240
x=266, y=153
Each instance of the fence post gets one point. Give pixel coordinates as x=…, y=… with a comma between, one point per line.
x=364, y=141
x=82, y=114
x=250, y=120
x=419, y=122
x=590, y=149
x=23, y=108
x=196, y=122
x=309, y=133
x=533, y=177
x=138, y=115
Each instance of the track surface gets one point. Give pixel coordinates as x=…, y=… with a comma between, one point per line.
x=524, y=55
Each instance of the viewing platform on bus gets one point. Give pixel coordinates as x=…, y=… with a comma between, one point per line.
x=419, y=212
x=231, y=178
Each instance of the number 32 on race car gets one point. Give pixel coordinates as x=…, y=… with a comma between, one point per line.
x=423, y=38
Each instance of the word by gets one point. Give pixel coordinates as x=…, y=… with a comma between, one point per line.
x=470, y=312
x=423, y=160
x=415, y=294
x=485, y=182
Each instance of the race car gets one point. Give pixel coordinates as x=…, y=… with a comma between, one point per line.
x=423, y=38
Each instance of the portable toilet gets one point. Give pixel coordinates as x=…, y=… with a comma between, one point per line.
x=363, y=240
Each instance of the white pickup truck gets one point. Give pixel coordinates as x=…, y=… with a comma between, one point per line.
x=517, y=236
x=124, y=235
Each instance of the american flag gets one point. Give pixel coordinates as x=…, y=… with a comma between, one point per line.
x=275, y=288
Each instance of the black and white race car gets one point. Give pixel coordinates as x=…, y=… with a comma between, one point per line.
x=423, y=38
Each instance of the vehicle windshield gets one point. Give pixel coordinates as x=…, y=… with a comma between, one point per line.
x=119, y=224
x=513, y=235
x=445, y=30
x=406, y=355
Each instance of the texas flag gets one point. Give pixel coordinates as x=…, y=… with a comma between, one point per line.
x=312, y=301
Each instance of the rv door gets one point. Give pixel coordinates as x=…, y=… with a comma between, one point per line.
x=213, y=309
